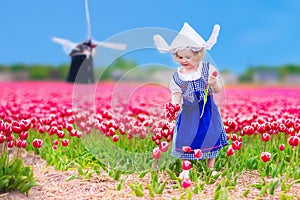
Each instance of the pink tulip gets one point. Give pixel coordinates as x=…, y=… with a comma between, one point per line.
x=156, y=153
x=187, y=149
x=65, y=142
x=265, y=156
x=281, y=147
x=163, y=146
x=115, y=138
x=186, y=183
x=197, y=153
x=186, y=165
x=37, y=143
x=230, y=151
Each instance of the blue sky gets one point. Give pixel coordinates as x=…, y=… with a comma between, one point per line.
x=253, y=32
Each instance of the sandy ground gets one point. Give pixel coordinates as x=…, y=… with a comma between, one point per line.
x=52, y=184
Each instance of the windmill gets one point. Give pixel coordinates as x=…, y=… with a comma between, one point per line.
x=82, y=54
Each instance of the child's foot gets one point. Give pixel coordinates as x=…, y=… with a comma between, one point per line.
x=184, y=174
x=214, y=172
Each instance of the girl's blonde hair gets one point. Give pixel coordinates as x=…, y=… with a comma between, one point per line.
x=198, y=55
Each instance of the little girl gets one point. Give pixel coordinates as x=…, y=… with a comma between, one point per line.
x=199, y=131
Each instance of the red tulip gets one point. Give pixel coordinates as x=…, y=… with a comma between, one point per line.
x=156, y=153
x=282, y=128
x=187, y=149
x=10, y=138
x=281, y=147
x=18, y=142
x=186, y=165
x=122, y=130
x=230, y=151
x=55, y=142
x=290, y=131
x=297, y=126
x=2, y=138
x=169, y=138
x=248, y=130
x=115, y=138
x=25, y=125
x=265, y=156
x=11, y=144
x=60, y=134
x=73, y=133
x=24, y=144
x=157, y=142
x=41, y=129
x=153, y=138
x=37, y=143
x=53, y=130
x=275, y=125
x=16, y=127
x=163, y=146
x=294, y=141
x=215, y=73
x=266, y=137
x=69, y=127
x=71, y=120
x=186, y=183
x=236, y=145
x=79, y=134
x=261, y=128
x=158, y=136
x=54, y=147
x=112, y=131
x=232, y=124
x=24, y=135
x=234, y=137
x=65, y=142
x=197, y=153
x=289, y=123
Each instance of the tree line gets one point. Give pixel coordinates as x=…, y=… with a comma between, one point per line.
x=121, y=65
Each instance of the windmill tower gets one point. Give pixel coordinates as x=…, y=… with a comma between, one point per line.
x=82, y=54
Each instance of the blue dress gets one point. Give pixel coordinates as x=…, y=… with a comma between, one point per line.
x=207, y=132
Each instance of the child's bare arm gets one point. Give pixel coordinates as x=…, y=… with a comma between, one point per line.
x=177, y=98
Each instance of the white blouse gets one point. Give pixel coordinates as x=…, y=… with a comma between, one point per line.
x=191, y=76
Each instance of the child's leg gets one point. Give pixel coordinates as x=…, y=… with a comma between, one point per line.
x=211, y=162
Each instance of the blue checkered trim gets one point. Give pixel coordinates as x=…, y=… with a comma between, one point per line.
x=190, y=156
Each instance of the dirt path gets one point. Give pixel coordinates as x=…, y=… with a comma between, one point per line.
x=53, y=185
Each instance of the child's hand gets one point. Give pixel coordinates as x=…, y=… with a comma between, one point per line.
x=212, y=81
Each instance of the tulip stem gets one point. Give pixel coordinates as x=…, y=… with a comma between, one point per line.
x=292, y=154
x=1, y=152
x=7, y=157
x=228, y=166
x=18, y=152
x=280, y=153
x=247, y=143
x=78, y=144
x=34, y=152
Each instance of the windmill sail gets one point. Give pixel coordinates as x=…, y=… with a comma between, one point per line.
x=81, y=68
x=87, y=13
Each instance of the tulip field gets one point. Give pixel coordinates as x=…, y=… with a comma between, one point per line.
x=120, y=138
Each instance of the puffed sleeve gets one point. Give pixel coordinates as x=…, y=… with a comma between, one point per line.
x=174, y=87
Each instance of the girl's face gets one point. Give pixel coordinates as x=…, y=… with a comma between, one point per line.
x=186, y=58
